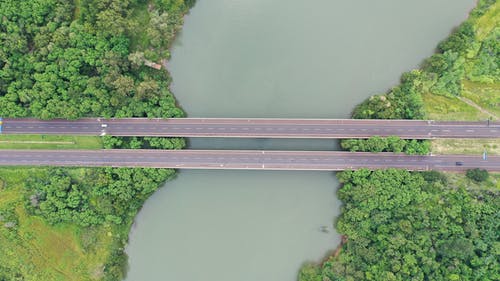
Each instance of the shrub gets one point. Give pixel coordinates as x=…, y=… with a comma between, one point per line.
x=477, y=174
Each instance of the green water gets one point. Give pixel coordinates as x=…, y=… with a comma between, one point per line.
x=280, y=58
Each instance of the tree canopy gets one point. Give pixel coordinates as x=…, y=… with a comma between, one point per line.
x=401, y=226
x=72, y=59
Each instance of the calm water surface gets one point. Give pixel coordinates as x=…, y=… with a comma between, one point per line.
x=273, y=58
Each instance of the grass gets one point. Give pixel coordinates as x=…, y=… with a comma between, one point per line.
x=40, y=251
x=486, y=96
x=49, y=142
x=457, y=180
x=439, y=107
x=466, y=146
x=490, y=20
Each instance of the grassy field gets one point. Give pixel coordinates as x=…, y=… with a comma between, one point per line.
x=450, y=108
x=488, y=21
x=484, y=99
x=40, y=251
x=487, y=96
x=49, y=142
x=37, y=250
x=457, y=180
x=466, y=146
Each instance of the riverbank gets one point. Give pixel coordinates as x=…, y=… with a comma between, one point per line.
x=73, y=223
x=426, y=225
x=299, y=67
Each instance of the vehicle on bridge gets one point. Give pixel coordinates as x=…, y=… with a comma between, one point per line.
x=1, y=123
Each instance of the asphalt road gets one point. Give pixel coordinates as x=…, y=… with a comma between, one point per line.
x=244, y=159
x=255, y=128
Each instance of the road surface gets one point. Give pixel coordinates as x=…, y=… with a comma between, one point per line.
x=255, y=128
x=245, y=159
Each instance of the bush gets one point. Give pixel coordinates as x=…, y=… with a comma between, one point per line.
x=434, y=176
x=477, y=174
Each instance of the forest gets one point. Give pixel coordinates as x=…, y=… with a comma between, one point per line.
x=400, y=225
x=72, y=59
x=412, y=226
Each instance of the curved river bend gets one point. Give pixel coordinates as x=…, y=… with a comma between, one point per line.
x=280, y=58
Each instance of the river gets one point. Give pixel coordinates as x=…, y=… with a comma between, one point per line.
x=280, y=58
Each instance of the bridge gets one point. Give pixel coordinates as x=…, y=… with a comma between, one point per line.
x=255, y=128
x=249, y=128
x=245, y=159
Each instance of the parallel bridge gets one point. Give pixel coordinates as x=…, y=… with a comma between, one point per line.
x=245, y=159
x=255, y=128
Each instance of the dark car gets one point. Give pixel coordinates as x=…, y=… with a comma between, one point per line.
x=459, y=163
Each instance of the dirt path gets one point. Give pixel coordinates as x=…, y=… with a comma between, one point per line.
x=473, y=104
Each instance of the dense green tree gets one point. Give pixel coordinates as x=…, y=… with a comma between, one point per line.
x=310, y=272
x=70, y=59
x=389, y=144
x=460, y=40
x=58, y=198
x=407, y=226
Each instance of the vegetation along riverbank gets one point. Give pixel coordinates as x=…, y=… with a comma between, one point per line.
x=70, y=59
x=428, y=225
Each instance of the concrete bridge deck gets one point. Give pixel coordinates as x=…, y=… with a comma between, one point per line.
x=255, y=128
x=245, y=159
